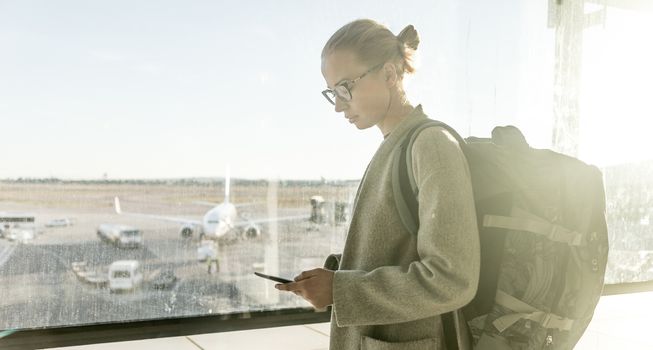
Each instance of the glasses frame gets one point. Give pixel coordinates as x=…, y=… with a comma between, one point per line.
x=348, y=85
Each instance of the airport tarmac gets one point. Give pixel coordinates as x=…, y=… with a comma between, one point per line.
x=38, y=287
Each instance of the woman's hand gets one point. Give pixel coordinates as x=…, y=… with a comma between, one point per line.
x=316, y=286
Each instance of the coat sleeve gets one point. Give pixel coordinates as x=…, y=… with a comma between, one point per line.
x=332, y=262
x=445, y=277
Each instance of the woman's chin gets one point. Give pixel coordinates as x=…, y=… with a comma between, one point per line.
x=361, y=125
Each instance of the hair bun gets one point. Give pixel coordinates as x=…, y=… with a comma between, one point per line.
x=409, y=37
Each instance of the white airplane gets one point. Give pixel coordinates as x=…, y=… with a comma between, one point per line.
x=222, y=221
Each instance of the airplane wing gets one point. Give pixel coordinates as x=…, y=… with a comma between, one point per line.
x=157, y=217
x=243, y=205
x=266, y=220
x=210, y=204
x=214, y=204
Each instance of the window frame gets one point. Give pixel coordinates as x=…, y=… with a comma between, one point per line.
x=186, y=326
x=160, y=328
x=627, y=288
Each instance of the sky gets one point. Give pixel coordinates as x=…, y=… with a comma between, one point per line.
x=168, y=89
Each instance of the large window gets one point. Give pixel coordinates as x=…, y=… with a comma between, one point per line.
x=615, y=125
x=168, y=150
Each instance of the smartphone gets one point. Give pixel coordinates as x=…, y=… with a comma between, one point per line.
x=274, y=278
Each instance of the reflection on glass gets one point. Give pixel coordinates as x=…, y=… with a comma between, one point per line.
x=615, y=133
x=73, y=275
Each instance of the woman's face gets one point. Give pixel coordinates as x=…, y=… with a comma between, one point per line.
x=370, y=95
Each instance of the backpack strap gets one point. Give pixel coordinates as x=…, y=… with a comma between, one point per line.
x=404, y=186
x=521, y=220
x=522, y=310
x=405, y=191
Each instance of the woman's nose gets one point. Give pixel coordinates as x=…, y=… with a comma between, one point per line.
x=340, y=105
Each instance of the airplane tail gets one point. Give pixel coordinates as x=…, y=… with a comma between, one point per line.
x=226, y=186
x=116, y=205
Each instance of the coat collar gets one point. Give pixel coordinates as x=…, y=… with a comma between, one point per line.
x=414, y=117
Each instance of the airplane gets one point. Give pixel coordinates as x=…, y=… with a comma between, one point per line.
x=220, y=222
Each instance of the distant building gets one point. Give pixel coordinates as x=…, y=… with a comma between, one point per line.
x=17, y=226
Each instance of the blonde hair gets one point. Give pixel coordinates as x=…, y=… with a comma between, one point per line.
x=373, y=43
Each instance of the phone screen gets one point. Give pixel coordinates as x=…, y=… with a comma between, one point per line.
x=273, y=278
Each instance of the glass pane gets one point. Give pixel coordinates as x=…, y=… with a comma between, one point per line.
x=616, y=114
x=152, y=102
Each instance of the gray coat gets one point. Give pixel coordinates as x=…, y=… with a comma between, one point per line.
x=391, y=286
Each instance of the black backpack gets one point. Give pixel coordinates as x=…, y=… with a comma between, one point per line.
x=543, y=235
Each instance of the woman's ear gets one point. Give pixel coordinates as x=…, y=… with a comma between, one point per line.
x=390, y=73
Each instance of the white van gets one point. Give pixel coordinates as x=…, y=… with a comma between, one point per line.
x=120, y=235
x=125, y=275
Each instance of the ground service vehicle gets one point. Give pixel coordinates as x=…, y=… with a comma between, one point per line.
x=125, y=275
x=120, y=235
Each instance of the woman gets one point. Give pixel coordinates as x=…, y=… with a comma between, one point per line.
x=391, y=286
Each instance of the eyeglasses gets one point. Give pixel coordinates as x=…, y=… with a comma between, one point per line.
x=343, y=89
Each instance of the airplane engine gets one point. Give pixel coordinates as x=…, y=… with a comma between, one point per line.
x=251, y=232
x=186, y=231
